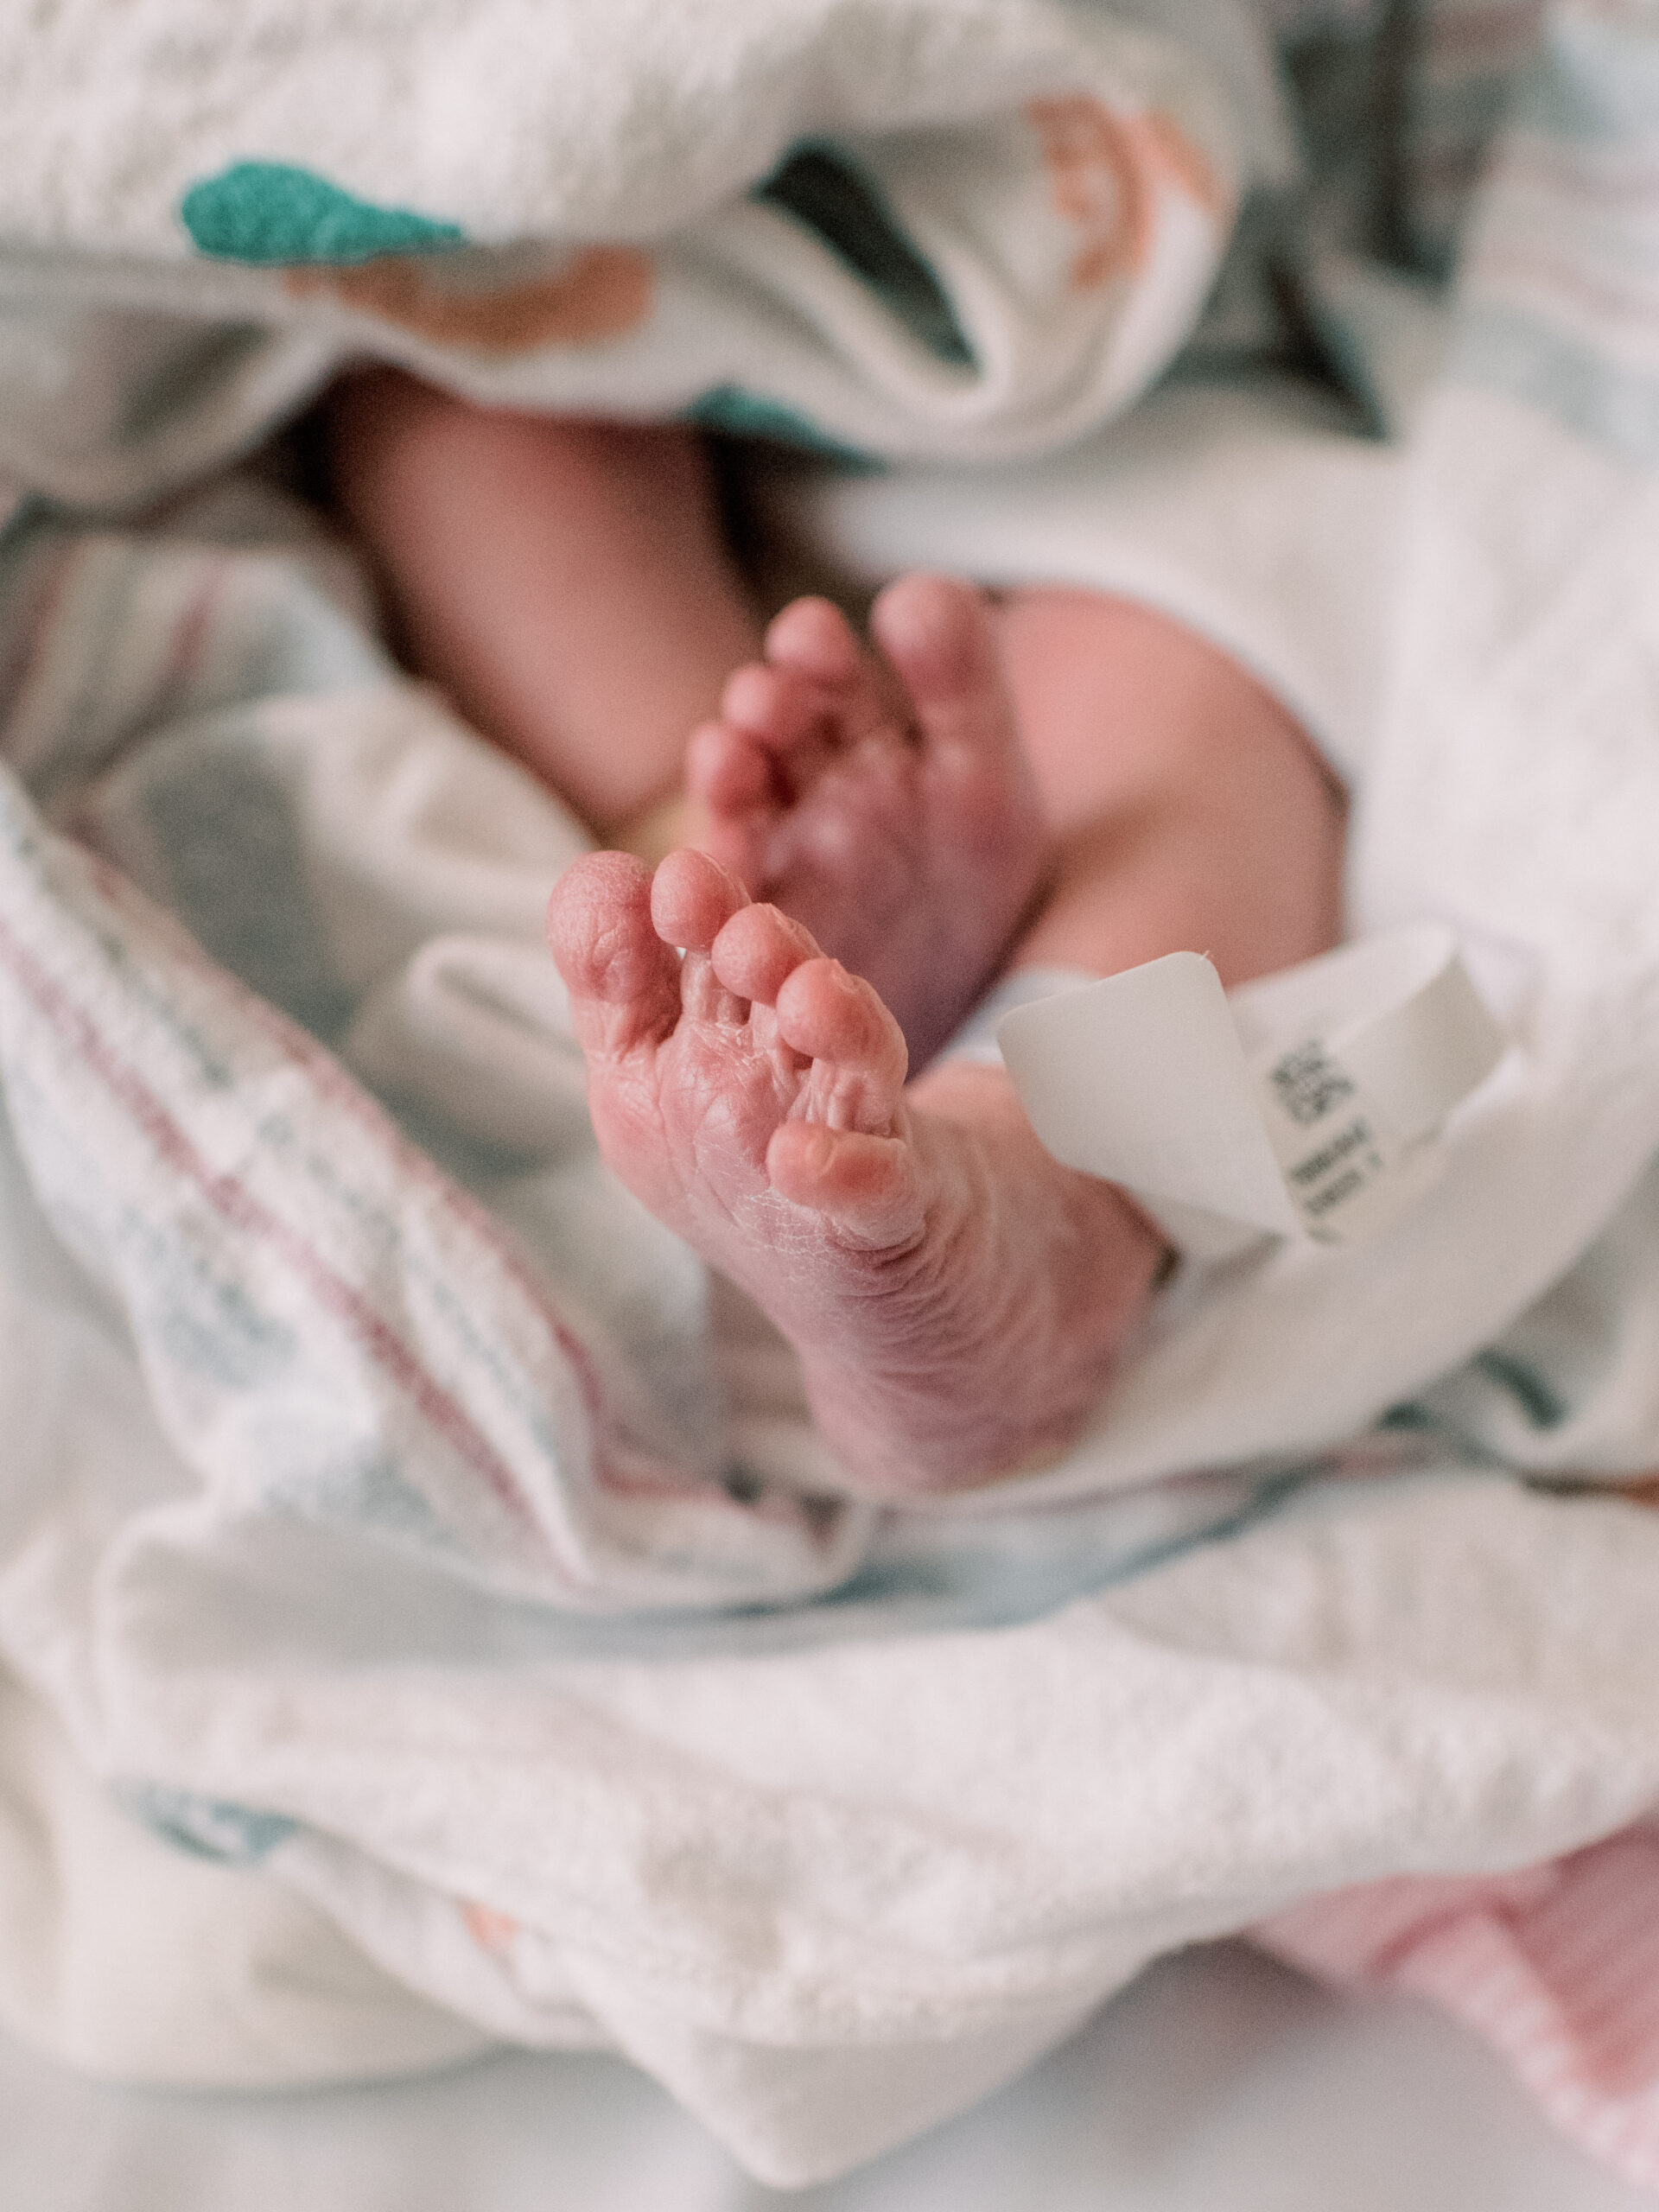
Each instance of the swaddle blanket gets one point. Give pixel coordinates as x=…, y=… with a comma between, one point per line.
x=951, y=227
x=391, y=1510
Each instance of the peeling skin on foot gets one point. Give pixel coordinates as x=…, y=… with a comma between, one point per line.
x=886, y=803
x=955, y=1295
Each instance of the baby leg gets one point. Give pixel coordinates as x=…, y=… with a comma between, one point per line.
x=1188, y=809
x=566, y=583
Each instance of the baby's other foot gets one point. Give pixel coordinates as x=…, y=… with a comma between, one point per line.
x=955, y=1295
x=886, y=804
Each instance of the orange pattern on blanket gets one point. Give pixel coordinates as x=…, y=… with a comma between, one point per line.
x=1634, y=1489
x=1642, y=1489
x=490, y=1930
x=1106, y=171
x=602, y=292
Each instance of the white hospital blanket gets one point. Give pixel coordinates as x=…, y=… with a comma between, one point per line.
x=390, y=1505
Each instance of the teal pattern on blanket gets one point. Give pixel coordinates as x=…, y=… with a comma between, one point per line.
x=269, y=211
x=740, y=414
x=207, y=1827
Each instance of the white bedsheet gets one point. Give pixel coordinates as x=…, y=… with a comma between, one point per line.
x=1219, y=2083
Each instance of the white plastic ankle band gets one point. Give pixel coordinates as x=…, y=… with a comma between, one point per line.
x=976, y=1039
x=1302, y=1105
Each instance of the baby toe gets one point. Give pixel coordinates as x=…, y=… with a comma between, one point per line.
x=759, y=950
x=865, y=1184
x=775, y=708
x=692, y=899
x=813, y=638
x=726, y=769
x=838, y=1021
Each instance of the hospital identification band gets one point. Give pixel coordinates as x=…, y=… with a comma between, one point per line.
x=1302, y=1105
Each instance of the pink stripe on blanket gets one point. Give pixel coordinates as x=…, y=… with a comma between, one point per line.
x=234, y=1203
x=1557, y=1967
x=192, y=635
x=616, y=1468
x=619, y=1467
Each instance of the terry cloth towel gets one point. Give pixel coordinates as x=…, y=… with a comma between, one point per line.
x=971, y=227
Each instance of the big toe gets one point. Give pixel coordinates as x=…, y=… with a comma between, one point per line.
x=937, y=634
x=623, y=980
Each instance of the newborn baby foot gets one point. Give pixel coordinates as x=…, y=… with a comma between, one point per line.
x=955, y=1295
x=890, y=808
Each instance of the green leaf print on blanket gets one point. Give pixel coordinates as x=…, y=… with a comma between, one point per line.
x=271, y=212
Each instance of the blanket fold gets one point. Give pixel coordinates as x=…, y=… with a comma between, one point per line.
x=959, y=226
